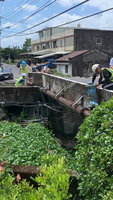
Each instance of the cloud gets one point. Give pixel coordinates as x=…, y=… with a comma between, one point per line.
x=66, y=3
x=97, y=22
x=29, y=7
x=102, y=4
x=7, y=24
x=12, y=42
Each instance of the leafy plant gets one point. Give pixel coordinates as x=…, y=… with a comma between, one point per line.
x=25, y=146
x=54, y=71
x=109, y=196
x=53, y=182
x=94, y=153
x=53, y=179
x=13, y=190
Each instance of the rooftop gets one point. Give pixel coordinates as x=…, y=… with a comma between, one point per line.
x=71, y=55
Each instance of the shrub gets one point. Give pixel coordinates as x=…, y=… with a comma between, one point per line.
x=53, y=182
x=109, y=196
x=53, y=179
x=25, y=146
x=94, y=153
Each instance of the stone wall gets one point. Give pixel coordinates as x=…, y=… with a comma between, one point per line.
x=14, y=94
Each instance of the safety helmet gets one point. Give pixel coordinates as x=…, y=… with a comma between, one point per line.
x=24, y=75
x=23, y=63
x=94, y=67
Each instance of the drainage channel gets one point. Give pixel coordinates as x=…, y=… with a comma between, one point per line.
x=63, y=121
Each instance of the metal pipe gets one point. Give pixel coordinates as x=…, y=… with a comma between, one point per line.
x=33, y=170
x=78, y=108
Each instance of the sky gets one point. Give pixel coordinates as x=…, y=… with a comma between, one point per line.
x=19, y=15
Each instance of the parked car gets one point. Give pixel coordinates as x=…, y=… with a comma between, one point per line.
x=5, y=73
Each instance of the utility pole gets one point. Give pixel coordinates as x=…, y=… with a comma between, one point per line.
x=0, y=44
x=0, y=40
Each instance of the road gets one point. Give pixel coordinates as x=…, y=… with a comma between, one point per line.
x=16, y=74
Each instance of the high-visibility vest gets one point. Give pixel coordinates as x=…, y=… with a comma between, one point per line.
x=111, y=71
x=18, y=82
x=25, y=69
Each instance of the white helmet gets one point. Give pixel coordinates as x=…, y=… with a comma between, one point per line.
x=24, y=74
x=94, y=67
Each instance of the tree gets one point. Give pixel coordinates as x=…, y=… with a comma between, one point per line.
x=27, y=45
x=11, y=53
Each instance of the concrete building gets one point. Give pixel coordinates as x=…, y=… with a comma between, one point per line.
x=53, y=42
x=93, y=38
x=57, y=42
x=79, y=63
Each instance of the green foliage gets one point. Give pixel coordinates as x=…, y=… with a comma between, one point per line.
x=109, y=196
x=54, y=71
x=94, y=153
x=8, y=61
x=53, y=179
x=53, y=183
x=27, y=45
x=23, y=115
x=10, y=54
x=27, y=145
x=18, y=191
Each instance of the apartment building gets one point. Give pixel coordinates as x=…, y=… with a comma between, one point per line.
x=54, y=41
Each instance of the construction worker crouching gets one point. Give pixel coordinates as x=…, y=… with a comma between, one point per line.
x=22, y=81
x=23, y=68
x=106, y=76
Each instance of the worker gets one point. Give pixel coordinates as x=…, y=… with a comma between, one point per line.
x=106, y=75
x=46, y=70
x=111, y=63
x=22, y=80
x=23, y=68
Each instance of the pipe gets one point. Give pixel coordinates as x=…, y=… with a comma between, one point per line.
x=33, y=170
x=78, y=108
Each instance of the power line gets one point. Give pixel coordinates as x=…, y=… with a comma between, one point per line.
x=23, y=9
x=76, y=20
x=49, y=18
x=39, y=10
x=15, y=9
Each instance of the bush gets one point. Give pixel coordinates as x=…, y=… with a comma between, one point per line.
x=94, y=153
x=53, y=179
x=109, y=196
x=53, y=182
x=25, y=146
x=8, y=61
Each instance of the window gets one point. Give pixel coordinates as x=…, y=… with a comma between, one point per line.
x=98, y=40
x=61, y=43
x=48, y=45
x=66, y=69
x=43, y=45
x=48, y=33
x=51, y=31
x=54, y=44
x=41, y=34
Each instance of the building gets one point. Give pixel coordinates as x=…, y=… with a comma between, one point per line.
x=57, y=42
x=93, y=38
x=79, y=63
x=53, y=43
